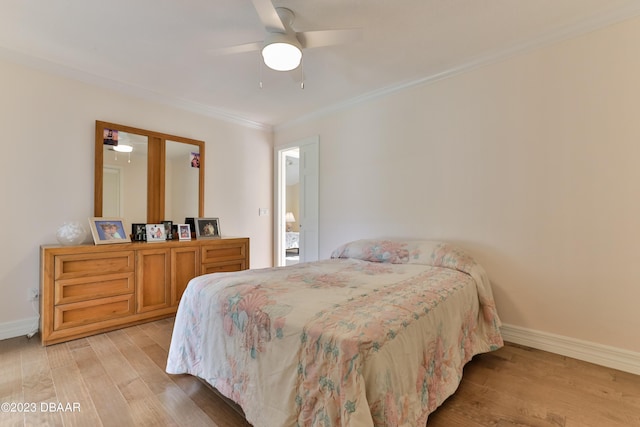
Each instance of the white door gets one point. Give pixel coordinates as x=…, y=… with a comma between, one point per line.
x=308, y=205
x=112, y=192
x=309, y=162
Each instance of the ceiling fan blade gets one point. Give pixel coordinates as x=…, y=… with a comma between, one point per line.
x=241, y=48
x=269, y=16
x=311, y=39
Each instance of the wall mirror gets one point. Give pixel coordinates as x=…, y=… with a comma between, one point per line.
x=147, y=177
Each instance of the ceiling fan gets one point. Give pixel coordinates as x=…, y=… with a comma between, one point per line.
x=282, y=48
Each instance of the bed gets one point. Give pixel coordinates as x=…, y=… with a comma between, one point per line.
x=292, y=240
x=292, y=244
x=378, y=335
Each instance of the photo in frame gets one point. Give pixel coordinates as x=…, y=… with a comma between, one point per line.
x=156, y=233
x=207, y=228
x=138, y=232
x=195, y=160
x=168, y=229
x=184, y=231
x=110, y=137
x=108, y=231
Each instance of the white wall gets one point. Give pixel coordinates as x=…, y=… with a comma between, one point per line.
x=531, y=164
x=47, y=126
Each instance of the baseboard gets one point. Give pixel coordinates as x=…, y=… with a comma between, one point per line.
x=18, y=328
x=611, y=357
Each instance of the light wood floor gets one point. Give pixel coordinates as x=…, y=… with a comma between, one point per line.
x=118, y=379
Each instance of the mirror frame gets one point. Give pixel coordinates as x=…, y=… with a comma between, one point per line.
x=155, y=169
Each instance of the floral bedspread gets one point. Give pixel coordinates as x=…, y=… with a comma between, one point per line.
x=376, y=336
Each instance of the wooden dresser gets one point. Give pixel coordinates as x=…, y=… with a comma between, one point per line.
x=88, y=289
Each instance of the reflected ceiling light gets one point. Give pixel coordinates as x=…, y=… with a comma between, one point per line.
x=282, y=52
x=123, y=148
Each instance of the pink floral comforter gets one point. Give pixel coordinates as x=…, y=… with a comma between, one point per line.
x=376, y=336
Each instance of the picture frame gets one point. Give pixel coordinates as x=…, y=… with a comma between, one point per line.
x=184, y=232
x=138, y=232
x=192, y=222
x=108, y=231
x=168, y=229
x=207, y=228
x=156, y=233
x=110, y=137
x=194, y=160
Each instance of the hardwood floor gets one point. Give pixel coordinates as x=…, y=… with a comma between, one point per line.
x=118, y=379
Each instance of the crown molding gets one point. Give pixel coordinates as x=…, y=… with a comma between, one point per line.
x=549, y=38
x=52, y=67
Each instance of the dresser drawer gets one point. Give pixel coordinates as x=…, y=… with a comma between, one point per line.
x=221, y=252
x=93, y=311
x=220, y=267
x=87, y=288
x=84, y=265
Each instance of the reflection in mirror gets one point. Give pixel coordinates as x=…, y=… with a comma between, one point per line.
x=125, y=178
x=152, y=182
x=182, y=177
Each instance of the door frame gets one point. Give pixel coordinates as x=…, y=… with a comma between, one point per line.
x=279, y=193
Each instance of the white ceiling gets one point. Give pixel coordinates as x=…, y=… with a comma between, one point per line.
x=161, y=49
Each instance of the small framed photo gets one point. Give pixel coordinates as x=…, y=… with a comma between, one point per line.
x=156, y=233
x=192, y=222
x=108, y=230
x=138, y=232
x=195, y=160
x=168, y=229
x=110, y=137
x=207, y=228
x=184, y=231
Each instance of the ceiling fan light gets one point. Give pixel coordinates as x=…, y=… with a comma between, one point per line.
x=123, y=148
x=280, y=53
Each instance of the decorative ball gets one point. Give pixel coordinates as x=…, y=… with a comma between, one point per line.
x=71, y=233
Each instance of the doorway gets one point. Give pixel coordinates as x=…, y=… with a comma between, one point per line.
x=112, y=194
x=296, y=204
